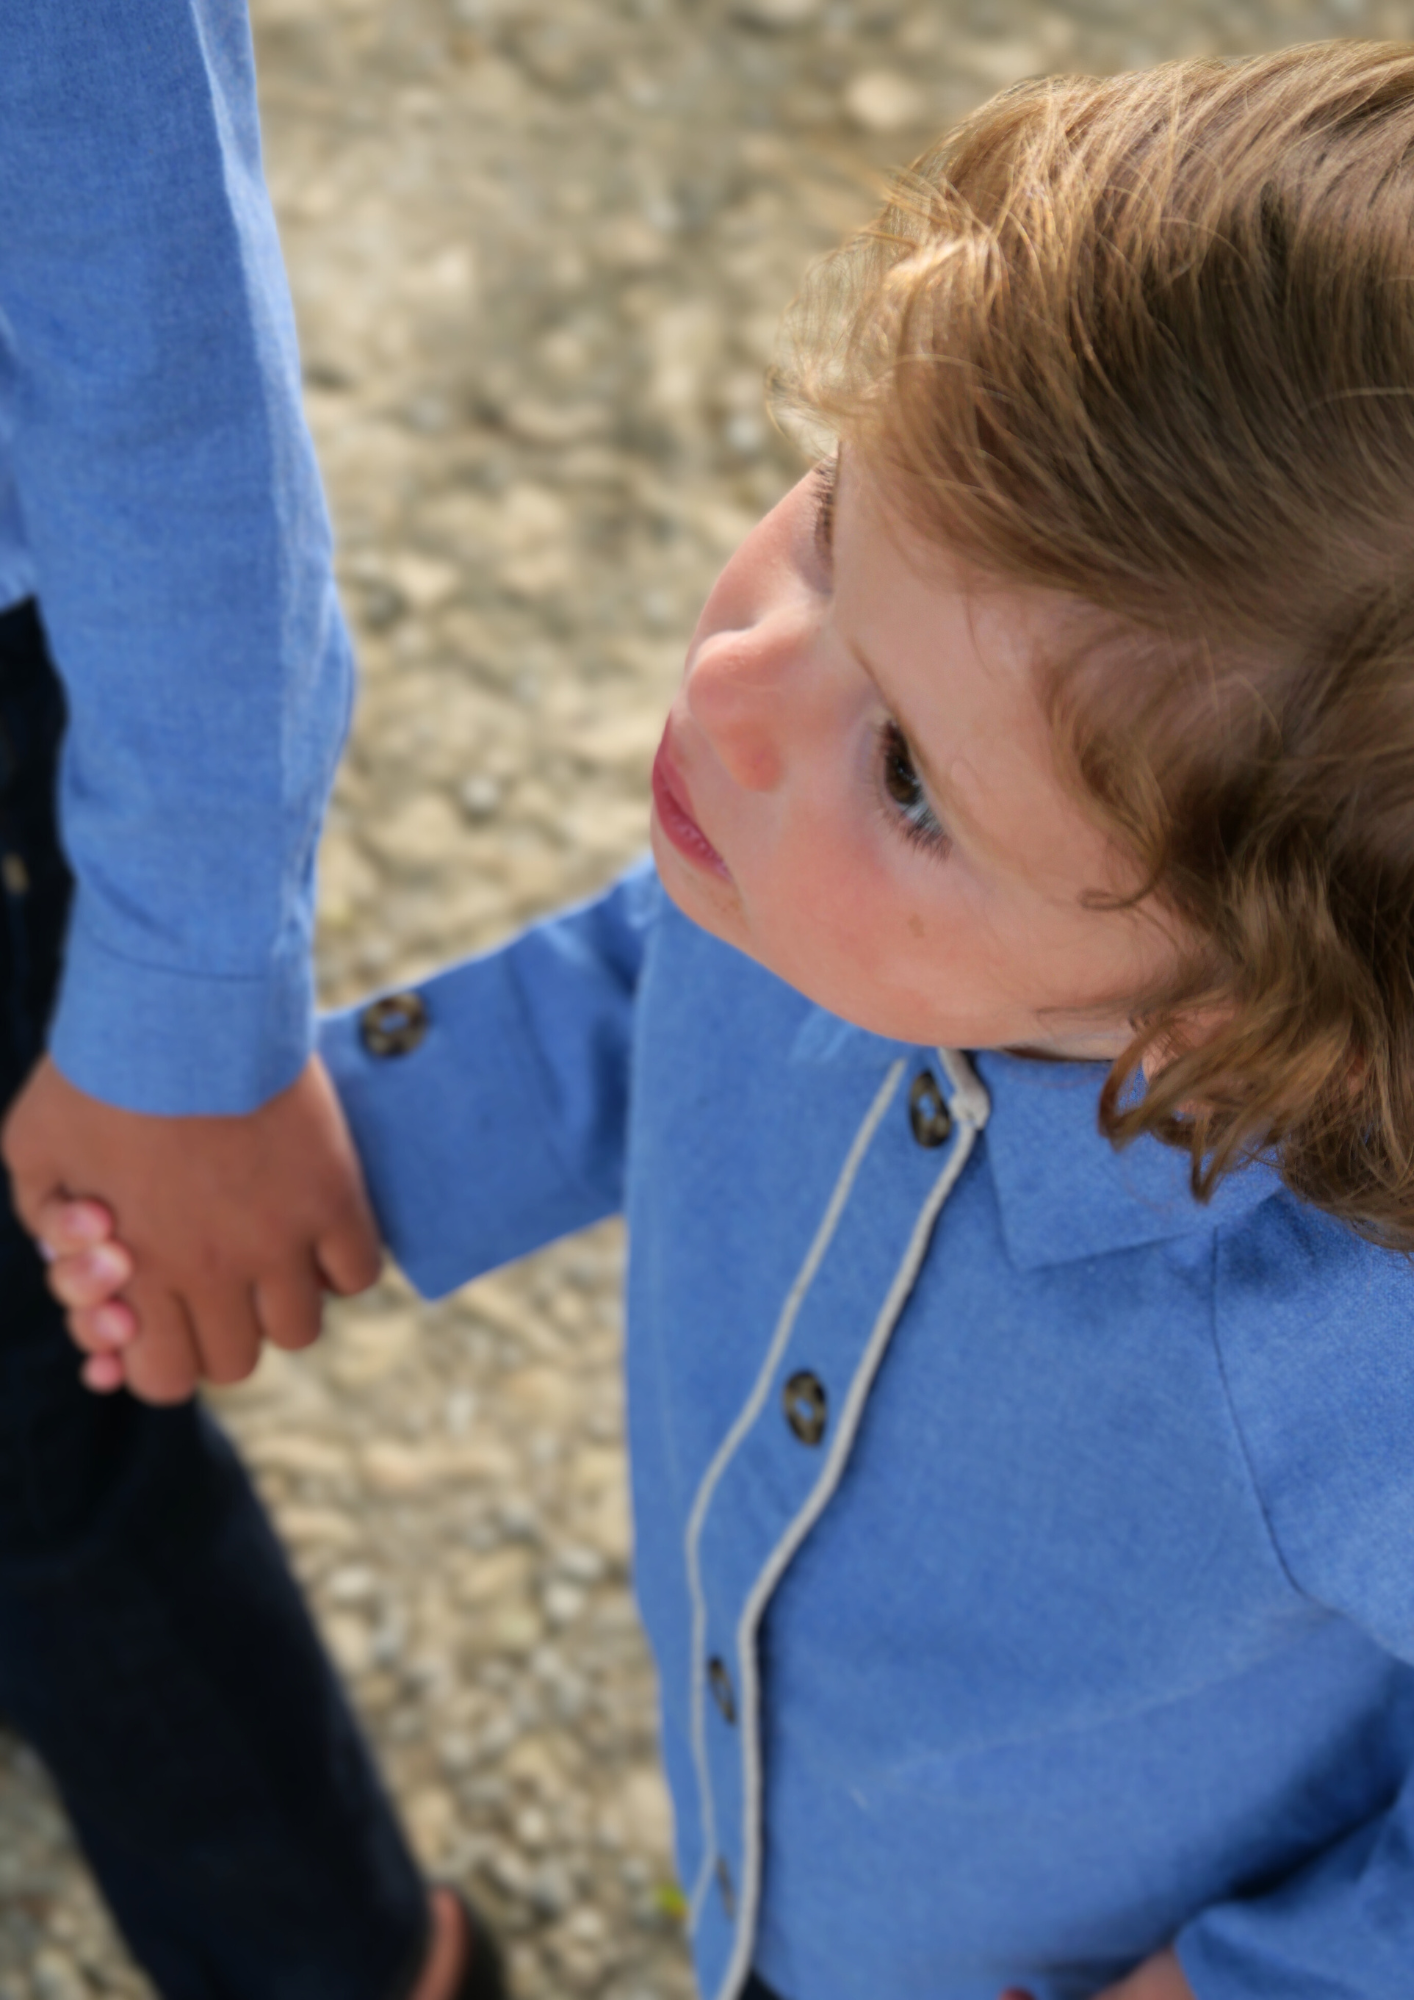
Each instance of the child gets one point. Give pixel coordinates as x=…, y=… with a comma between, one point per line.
x=1027, y=1545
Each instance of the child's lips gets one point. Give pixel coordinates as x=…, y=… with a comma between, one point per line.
x=673, y=805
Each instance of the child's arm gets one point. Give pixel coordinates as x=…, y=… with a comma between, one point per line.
x=490, y=1108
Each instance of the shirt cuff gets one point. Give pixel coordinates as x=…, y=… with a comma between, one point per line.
x=146, y=1038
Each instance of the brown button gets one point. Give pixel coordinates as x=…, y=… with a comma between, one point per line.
x=394, y=1025
x=725, y=1888
x=807, y=1409
x=720, y=1682
x=928, y=1113
x=16, y=875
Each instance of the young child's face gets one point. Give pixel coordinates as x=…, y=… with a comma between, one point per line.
x=856, y=787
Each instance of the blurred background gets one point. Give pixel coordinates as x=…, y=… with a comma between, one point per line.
x=538, y=251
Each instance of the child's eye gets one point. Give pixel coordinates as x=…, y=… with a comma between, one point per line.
x=824, y=476
x=911, y=814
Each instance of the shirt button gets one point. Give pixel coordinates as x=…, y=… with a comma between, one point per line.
x=928, y=1113
x=726, y=1889
x=394, y=1025
x=15, y=874
x=720, y=1682
x=806, y=1405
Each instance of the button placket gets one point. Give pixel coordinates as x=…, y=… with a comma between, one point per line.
x=720, y=1682
x=726, y=1888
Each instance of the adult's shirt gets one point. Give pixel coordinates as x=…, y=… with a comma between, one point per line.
x=1026, y=1549
x=159, y=496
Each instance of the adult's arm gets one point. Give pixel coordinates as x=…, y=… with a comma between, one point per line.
x=172, y=518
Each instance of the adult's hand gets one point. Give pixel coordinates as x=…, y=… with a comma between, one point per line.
x=1158, y=1978
x=236, y=1226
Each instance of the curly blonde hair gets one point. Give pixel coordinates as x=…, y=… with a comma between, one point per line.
x=1149, y=340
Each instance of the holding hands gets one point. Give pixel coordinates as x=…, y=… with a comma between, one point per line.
x=1158, y=1978
x=232, y=1228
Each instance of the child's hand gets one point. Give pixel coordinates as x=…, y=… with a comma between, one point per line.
x=1158, y=1978
x=88, y=1268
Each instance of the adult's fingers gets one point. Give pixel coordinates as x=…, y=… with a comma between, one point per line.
x=290, y=1307
x=227, y=1332
x=88, y=1277
x=162, y=1365
x=349, y=1252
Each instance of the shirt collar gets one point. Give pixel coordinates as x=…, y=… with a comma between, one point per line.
x=1063, y=1190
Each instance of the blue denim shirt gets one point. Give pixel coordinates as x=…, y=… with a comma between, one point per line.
x=158, y=492
x=1028, y=1552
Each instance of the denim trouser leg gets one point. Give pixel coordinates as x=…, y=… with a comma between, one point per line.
x=153, y=1646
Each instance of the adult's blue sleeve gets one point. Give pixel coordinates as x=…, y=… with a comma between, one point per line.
x=1316, y=1333
x=506, y=1125
x=179, y=545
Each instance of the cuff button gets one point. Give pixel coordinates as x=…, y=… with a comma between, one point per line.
x=394, y=1025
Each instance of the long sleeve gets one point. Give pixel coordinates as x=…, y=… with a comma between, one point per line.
x=165, y=489
x=494, y=1117
x=1317, y=1339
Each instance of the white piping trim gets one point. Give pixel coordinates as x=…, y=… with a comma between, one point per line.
x=971, y=1105
x=750, y=1410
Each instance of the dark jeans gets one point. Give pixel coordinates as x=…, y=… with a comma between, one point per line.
x=154, y=1647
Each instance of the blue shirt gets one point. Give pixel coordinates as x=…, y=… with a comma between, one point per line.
x=1027, y=1551
x=158, y=493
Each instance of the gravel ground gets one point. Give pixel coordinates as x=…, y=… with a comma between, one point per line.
x=538, y=253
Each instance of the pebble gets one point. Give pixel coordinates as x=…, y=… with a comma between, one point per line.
x=538, y=257
x=883, y=101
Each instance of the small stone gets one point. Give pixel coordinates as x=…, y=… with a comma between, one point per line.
x=55, y=1976
x=516, y=1630
x=456, y=1752
x=586, y=1925
x=431, y=1818
x=579, y=1564
x=776, y=14
x=350, y=1640
x=397, y=1468
x=367, y=1348
x=882, y=101
x=480, y=797
x=550, y=1888
x=531, y=1828
x=563, y=1602
x=316, y=1527
x=352, y=1583
x=305, y=1457
x=423, y=832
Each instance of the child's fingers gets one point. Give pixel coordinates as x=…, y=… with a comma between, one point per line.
x=64, y=1225
x=103, y=1373
x=85, y=1278
x=102, y=1329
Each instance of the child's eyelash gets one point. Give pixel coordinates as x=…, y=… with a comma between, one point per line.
x=825, y=509
x=909, y=812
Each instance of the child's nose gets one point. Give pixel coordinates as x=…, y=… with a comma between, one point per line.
x=743, y=692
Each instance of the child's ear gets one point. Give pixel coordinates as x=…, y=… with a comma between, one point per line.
x=1187, y=1031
